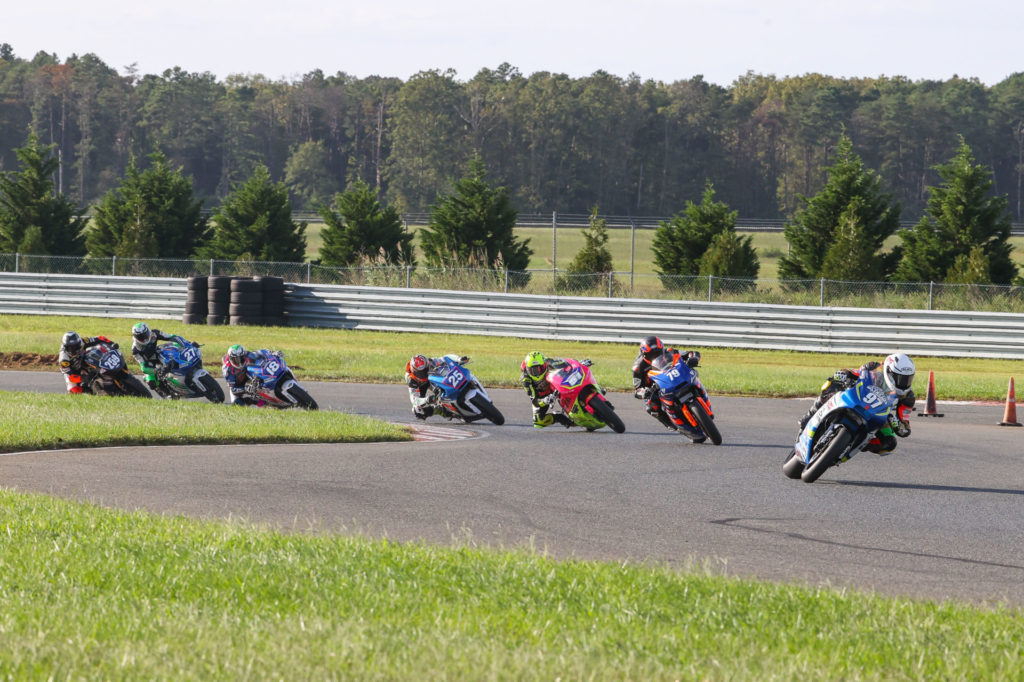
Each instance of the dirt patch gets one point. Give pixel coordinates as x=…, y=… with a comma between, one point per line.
x=28, y=361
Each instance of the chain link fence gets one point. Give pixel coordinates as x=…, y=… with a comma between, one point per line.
x=811, y=292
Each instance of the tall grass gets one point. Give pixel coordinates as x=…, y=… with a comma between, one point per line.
x=90, y=593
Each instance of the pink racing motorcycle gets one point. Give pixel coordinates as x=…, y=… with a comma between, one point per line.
x=579, y=396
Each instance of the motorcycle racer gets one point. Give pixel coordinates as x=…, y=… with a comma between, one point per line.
x=72, y=352
x=643, y=388
x=535, y=368
x=417, y=370
x=235, y=372
x=896, y=375
x=144, y=351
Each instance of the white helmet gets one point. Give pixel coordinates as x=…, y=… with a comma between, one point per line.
x=899, y=371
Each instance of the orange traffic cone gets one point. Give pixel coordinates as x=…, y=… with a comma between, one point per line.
x=929, y=398
x=1010, y=415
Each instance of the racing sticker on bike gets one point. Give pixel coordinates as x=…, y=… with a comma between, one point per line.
x=110, y=361
x=574, y=379
x=272, y=367
x=189, y=354
x=454, y=379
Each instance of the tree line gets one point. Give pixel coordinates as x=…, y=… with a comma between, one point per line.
x=632, y=146
x=154, y=208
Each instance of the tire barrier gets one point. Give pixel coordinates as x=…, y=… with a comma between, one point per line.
x=245, y=305
x=218, y=299
x=196, y=302
x=273, y=301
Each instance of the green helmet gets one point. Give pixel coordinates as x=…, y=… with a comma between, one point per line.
x=237, y=356
x=142, y=333
x=535, y=365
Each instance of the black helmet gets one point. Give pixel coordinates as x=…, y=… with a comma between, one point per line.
x=72, y=342
x=651, y=347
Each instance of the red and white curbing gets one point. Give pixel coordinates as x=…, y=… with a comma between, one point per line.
x=440, y=433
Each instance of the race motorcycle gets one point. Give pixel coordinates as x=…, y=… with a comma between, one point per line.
x=272, y=383
x=109, y=374
x=842, y=427
x=682, y=397
x=182, y=374
x=578, y=395
x=457, y=394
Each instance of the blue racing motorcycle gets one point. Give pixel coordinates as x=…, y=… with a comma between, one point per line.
x=459, y=395
x=683, y=398
x=272, y=383
x=182, y=374
x=840, y=428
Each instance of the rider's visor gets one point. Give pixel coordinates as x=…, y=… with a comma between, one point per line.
x=536, y=370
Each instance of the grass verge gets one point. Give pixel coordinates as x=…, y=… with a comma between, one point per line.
x=345, y=355
x=91, y=593
x=30, y=421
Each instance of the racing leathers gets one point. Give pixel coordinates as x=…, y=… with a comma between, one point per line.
x=71, y=365
x=149, y=359
x=243, y=390
x=645, y=389
x=884, y=440
x=539, y=390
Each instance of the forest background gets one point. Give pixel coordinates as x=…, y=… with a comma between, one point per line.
x=631, y=146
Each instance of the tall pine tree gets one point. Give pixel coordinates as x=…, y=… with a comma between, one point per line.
x=34, y=218
x=852, y=191
x=361, y=228
x=255, y=223
x=965, y=231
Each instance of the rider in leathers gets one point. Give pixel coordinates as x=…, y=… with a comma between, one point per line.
x=72, y=353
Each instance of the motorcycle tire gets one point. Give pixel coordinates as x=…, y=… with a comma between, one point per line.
x=833, y=451
x=605, y=413
x=707, y=424
x=792, y=467
x=302, y=399
x=488, y=409
x=214, y=393
x=133, y=387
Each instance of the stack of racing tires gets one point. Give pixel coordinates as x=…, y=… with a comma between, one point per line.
x=196, y=304
x=273, y=301
x=218, y=299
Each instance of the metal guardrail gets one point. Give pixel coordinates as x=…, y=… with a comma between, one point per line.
x=92, y=295
x=691, y=323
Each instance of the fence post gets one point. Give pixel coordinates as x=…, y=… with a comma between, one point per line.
x=211, y=267
x=611, y=276
x=113, y=266
x=309, y=272
x=711, y=278
x=506, y=280
x=822, y=295
x=554, y=250
x=17, y=258
x=408, y=277
x=632, y=245
x=931, y=293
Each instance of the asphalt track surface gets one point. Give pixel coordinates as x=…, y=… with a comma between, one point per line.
x=941, y=518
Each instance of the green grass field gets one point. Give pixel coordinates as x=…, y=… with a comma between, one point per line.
x=95, y=594
x=344, y=355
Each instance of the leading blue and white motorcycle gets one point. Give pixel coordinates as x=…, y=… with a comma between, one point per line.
x=841, y=427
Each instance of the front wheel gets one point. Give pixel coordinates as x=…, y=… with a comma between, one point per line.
x=133, y=387
x=605, y=413
x=211, y=389
x=488, y=409
x=707, y=424
x=833, y=451
x=793, y=467
x=302, y=399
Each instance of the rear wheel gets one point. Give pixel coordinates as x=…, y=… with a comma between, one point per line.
x=604, y=412
x=707, y=424
x=835, y=449
x=302, y=399
x=214, y=393
x=488, y=409
x=793, y=467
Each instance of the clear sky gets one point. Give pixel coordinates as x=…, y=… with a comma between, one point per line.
x=661, y=40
